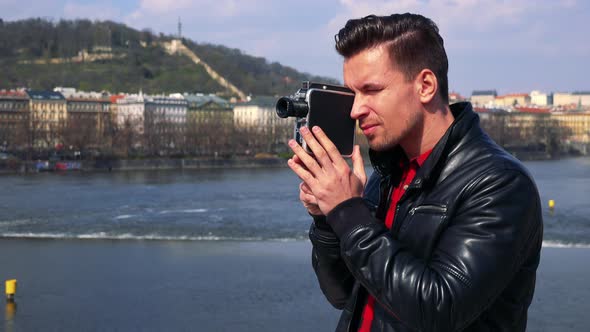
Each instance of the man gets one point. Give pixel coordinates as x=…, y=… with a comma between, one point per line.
x=446, y=234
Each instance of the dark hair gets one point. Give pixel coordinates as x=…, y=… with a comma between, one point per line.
x=414, y=44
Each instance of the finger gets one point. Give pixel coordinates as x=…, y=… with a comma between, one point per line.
x=329, y=147
x=304, y=159
x=307, y=198
x=317, y=149
x=358, y=166
x=305, y=188
x=302, y=173
x=298, y=161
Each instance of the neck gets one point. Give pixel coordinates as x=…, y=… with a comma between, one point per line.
x=435, y=122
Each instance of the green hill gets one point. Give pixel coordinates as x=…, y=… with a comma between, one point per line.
x=105, y=55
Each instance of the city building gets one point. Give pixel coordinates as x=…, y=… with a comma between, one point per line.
x=258, y=116
x=577, y=125
x=160, y=110
x=130, y=112
x=483, y=97
x=257, y=113
x=539, y=98
x=14, y=115
x=209, y=109
x=113, y=110
x=164, y=121
x=455, y=97
x=513, y=99
x=576, y=99
x=48, y=116
x=210, y=126
x=88, y=117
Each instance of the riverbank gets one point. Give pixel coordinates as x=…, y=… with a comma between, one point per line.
x=189, y=163
x=97, y=285
x=105, y=165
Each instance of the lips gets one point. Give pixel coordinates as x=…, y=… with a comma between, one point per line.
x=368, y=128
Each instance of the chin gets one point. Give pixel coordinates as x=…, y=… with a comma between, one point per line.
x=380, y=147
x=376, y=145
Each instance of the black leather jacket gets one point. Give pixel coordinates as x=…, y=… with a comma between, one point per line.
x=464, y=248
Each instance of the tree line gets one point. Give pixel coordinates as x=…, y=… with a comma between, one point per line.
x=81, y=137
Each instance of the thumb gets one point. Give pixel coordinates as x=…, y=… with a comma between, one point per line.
x=358, y=166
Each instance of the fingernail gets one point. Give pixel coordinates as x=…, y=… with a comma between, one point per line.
x=304, y=130
x=315, y=129
x=292, y=143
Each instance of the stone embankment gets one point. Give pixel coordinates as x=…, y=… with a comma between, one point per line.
x=171, y=164
x=151, y=164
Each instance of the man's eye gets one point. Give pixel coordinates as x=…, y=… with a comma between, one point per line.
x=373, y=90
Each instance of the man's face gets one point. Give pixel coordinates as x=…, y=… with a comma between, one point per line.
x=385, y=104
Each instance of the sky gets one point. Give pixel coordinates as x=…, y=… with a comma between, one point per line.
x=510, y=46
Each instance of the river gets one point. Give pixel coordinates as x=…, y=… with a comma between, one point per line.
x=231, y=204
x=220, y=250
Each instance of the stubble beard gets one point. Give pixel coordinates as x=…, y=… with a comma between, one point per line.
x=388, y=140
x=383, y=143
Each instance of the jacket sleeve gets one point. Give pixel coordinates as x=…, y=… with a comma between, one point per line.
x=482, y=247
x=335, y=280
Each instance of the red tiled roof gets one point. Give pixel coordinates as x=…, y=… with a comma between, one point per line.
x=13, y=93
x=514, y=95
x=114, y=98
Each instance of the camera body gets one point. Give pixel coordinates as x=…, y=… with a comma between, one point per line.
x=324, y=105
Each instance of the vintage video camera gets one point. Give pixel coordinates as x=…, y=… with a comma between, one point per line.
x=323, y=105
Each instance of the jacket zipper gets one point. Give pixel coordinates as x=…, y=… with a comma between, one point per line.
x=429, y=208
x=384, y=198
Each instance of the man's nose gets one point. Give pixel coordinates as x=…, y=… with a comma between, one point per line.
x=358, y=109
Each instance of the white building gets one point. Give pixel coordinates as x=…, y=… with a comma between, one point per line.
x=259, y=112
x=166, y=110
x=539, y=98
x=482, y=98
x=581, y=98
x=73, y=93
x=131, y=109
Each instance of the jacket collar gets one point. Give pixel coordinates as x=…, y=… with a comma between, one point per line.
x=386, y=162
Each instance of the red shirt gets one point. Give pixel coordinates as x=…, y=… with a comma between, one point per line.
x=409, y=170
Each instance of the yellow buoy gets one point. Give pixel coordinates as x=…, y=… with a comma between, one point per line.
x=10, y=289
x=551, y=204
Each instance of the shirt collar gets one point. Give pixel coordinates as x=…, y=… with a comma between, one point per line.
x=415, y=162
x=421, y=158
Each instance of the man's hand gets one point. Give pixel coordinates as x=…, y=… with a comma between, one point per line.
x=308, y=199
x=306, y=196
x=327, y=176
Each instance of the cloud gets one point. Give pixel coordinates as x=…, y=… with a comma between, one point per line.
x=478, y=25
x=202, y=20
x=163, y=6
x=476, y=13
x=201, y=8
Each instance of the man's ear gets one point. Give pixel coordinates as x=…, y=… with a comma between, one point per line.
x=426, y=85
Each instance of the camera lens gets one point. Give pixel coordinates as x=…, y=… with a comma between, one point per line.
x=287, y=107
